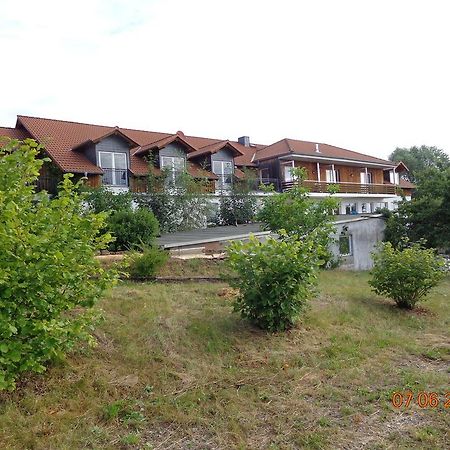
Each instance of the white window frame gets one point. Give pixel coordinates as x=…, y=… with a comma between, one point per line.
x=114, y=168
x=218, y=168
x=332, y=176
x=366, y=178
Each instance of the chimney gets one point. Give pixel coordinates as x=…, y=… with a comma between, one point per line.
x=317, y=148
x=244, y=140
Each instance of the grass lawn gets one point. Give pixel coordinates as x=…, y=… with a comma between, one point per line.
x=175, y=368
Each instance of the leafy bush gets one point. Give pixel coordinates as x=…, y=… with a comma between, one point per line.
x=275, y=279
x=238, y=206
x=405, y=274
x=132, y=228
x=49, y=278
x=103, y=199
x=147, y=263
x=179, y=203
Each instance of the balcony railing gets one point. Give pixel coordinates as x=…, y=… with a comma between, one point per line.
x=115, y=177
x=344, y=188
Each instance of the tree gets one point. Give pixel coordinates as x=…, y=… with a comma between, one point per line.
x=427, y=215
x=299, y=215
x=49, y=277
x=418, y=159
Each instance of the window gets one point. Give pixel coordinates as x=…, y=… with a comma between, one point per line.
x=224, y=170
x=332, y=176
x=345, y=245
x=173, y=163
x=115, y=168
x=350, y=208
x=288, y=173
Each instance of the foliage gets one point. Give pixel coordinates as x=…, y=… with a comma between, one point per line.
x=299, y=215
x=427, y=215
x=177, y=200
x=146, y=263
x=418, y=159
x=405, y=274
x=102, y=199
x=132, y=228
x=237, y=206
x=49, y=278
x=275, y=279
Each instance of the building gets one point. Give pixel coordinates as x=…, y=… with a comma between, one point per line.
x=119, y=158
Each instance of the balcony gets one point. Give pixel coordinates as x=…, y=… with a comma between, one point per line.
x=115, y=177
x=344, y=188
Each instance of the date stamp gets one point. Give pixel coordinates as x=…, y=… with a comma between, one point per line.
x=422, y=399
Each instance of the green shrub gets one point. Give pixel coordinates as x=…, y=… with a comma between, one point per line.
x=132, y=228
x=275, y=279
x=103, y=199
x=406, y=274
x=147, y=263
x=237, y=208
x=49, y=277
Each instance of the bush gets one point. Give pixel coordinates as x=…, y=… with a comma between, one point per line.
x=49, y=277
x=102, y=199
x=275, y=279
x=132, y=228
x=147, y=263
x=237, y=208
x=406, y=274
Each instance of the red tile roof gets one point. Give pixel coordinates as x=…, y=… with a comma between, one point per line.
x=62, y=138
x=13, y=133
x=292, y=146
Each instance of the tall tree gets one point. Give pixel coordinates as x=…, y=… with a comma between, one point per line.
x=427, y=216
x=418, y=159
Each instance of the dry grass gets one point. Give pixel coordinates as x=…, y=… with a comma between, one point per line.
x=174, y=368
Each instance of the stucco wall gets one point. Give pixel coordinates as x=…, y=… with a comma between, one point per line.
x=365, y=234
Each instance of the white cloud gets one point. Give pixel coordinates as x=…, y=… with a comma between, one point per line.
x=368, y=76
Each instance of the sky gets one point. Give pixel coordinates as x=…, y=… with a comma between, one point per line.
x=367, y=75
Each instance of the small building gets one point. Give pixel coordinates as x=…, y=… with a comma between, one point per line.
x=355, y=239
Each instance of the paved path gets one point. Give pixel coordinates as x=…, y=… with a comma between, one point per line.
x=205, y=235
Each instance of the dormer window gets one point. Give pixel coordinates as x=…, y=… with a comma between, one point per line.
x=224, y=170
x=173, y=163
x=115, y=168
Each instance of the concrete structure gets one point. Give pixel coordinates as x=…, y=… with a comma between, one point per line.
x=355, y=240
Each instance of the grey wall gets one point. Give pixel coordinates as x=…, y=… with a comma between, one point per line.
x=222, y=155
x=113, y=144
x=173, y=149
x=366, y=233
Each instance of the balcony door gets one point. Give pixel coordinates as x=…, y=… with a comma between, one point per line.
x=115, y=168
x=366, y=178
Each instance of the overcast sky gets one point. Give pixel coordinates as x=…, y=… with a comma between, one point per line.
x=364, y=75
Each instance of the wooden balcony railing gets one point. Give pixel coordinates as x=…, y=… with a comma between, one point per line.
x=344, y=188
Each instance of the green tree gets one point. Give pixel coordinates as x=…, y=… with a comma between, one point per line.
x=299, y=215
x=427, y=215
x=49, y=277
x=418, y=159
